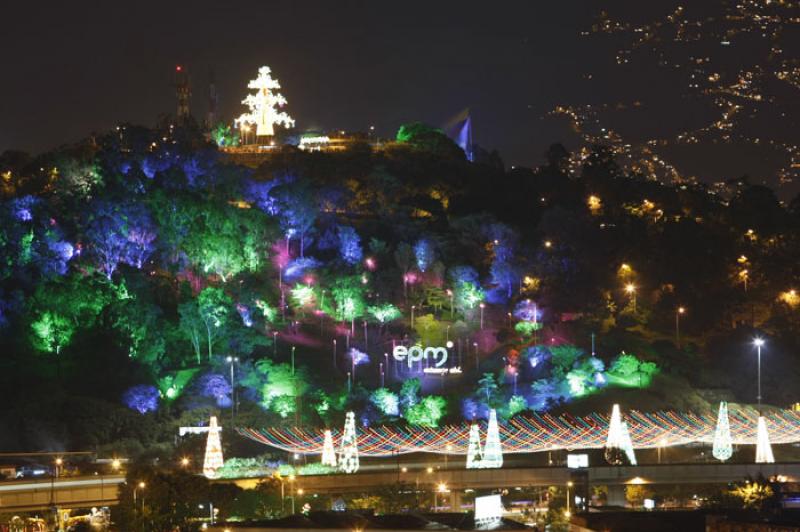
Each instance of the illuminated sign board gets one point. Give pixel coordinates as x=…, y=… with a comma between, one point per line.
x=577, y=461
x=488, y=510
x=417, y=353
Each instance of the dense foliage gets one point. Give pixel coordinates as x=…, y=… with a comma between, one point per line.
x=146, y=274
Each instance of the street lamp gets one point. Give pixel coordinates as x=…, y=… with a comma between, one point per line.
x=413, y=307
x=482, y=307
x=185, y=462
x=232, y=360
x=568, y=513
x=758, y=342
x=441, y=488
x=630, y=289
x=678, y=312
x=115, y=464
x=139, y=486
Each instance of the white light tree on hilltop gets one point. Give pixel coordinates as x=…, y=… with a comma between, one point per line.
x=264, y=105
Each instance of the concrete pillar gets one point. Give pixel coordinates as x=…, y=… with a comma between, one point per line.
x=455, y=500
x=616, y=495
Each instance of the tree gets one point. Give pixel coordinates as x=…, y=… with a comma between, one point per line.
x=430, y=331
x=206, y=318
x=60, y=308
x=165, y=500
x=425, y=137
x=119, y=233
x=428, y=412
x=488, y=389
x=404, y=258
x=423, y=251
x=349, y=245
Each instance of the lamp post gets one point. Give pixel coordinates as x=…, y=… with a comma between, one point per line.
x=568, y=513
x=274, y=343
x=139, y=486
x=413, y=307
x=441, y=488
x=334, y=354
x=630, y=289
x=452, y=302
x=232, y=361
x=678, y=312
x=482, y=307
x=382, y=380
x=758, y=342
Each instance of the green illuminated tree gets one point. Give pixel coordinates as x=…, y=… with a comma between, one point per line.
x=60, y=308
x=203, y=320
x=226, y=240
x=384, y=313
x=52, y=331
x=428, y=412
x=431, y=332
x=488, y=389
x=348, y=294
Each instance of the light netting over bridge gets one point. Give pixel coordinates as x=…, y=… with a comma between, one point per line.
x=545, y=432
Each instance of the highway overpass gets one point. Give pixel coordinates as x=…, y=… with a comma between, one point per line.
x=68, y=492
x=101, y=490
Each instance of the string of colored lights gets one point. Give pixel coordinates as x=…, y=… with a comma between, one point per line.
x=541, y=433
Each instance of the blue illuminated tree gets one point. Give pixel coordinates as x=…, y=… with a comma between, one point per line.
x=423, y=251
x=217, y=387
x=142, y=398
x=349, y=245
x=297, y=210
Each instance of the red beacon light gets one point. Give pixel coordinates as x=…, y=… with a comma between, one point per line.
x=178, y=68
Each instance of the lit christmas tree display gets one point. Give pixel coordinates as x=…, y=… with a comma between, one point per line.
x=328, y=453
x=492, y=451
x=627, y=444
x=348, y=452
x=723, y=443
x=614, y=444
x=263, y=105
x=474, y=452
x=763, y=448
x=213, y=458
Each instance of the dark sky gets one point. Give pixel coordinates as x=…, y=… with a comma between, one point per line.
x=73, y=67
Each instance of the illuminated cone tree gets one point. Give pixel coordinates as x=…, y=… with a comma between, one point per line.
x=722, y=448
x=763, y=448
x=213, y=458
x=328, y=453
x=348, y=452
x=627, y=444
x=474, y=452
x=492, y=451
x=614, y=444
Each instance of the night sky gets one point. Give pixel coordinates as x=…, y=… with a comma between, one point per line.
x=76, y=67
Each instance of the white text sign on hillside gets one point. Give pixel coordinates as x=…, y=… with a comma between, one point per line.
x=416, y=354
